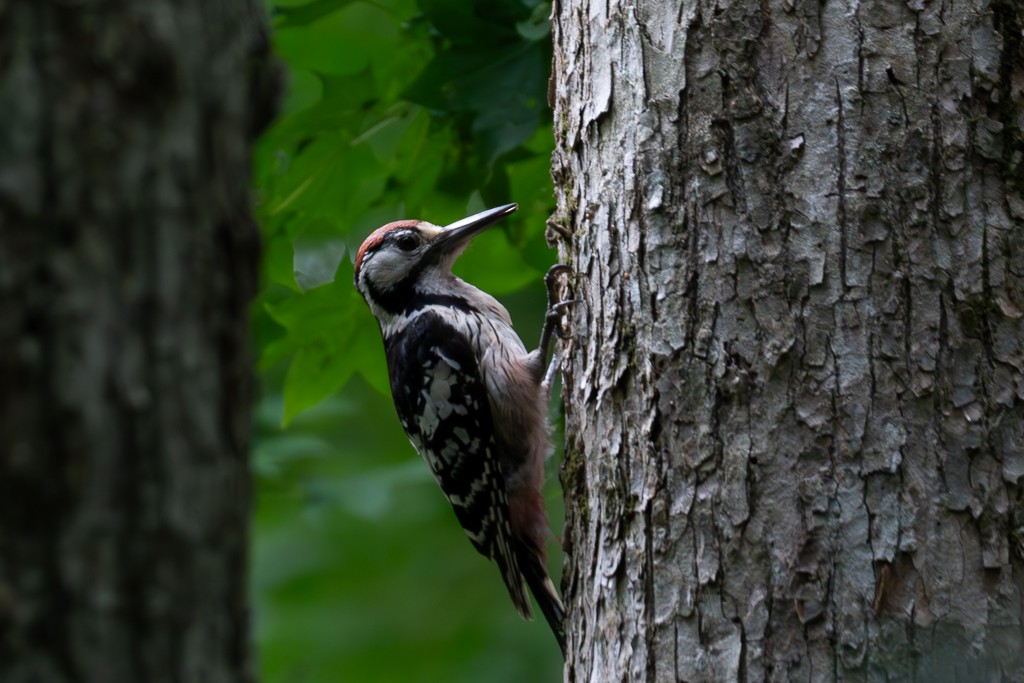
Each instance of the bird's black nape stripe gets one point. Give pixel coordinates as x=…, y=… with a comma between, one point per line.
x=403, y=298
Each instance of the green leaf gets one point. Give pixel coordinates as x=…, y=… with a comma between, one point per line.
x=339, y=42
x=530, y=183
x=538, y=26
x=272, y=454
x=329, y=179
x=302, y=12
x=304, y=90
x=503, y=88
x=278, y=257
x=316, y=372
x=491, y=264
x=319, y=248
x=319, y=316
x=483, y=22
x=368, y=353
x=337, y=112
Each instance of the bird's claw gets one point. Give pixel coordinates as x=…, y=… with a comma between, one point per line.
x=556, y=280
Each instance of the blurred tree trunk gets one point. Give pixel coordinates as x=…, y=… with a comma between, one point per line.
x=795, y=401
x=127, y=261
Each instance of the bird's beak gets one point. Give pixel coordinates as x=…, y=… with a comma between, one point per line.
x=455, y=237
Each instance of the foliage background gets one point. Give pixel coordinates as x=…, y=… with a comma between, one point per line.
x=395, y=108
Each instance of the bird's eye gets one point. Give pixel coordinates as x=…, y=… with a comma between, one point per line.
x=407, y=242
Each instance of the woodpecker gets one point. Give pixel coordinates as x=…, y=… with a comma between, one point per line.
x=470, y=397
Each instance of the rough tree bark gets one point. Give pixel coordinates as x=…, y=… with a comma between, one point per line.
x=127, y=261
x=795, y=405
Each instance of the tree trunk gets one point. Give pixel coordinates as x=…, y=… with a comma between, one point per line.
x=795, y=399
x=127, y=261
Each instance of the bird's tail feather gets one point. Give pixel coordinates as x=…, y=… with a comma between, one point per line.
x=508, y=562
x=536, y=574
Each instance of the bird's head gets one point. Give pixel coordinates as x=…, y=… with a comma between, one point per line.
x=407, y=259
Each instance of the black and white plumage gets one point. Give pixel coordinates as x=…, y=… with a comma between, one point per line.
x=469, y=395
